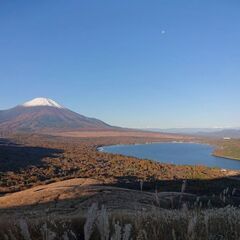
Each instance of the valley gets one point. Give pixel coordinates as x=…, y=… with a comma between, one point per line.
x=52, y=171
x=30, y=160
x=58, y=181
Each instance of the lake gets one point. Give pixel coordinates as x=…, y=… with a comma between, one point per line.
x=175, y=153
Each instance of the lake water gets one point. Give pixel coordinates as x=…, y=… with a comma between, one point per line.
x=175, y=153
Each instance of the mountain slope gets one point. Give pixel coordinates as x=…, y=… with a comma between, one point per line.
x=43, y=115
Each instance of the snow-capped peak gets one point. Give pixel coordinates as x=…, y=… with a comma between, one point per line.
x=42, y=102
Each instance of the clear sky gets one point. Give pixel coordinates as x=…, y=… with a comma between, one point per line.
x=134, y=63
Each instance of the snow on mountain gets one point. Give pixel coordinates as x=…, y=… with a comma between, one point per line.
x=44, y=114
x=42, y=102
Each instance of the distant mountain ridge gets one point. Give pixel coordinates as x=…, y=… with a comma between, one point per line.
x=44, y=114
x=207, y=132
x=224, y=133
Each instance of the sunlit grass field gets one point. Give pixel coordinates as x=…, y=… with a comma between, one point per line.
x=228, y=149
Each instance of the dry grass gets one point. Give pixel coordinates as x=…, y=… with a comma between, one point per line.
x=98, y=223
x=88, y=211
x=77, y=195
x=110, y=133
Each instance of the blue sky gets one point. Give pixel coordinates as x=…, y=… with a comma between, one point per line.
x=163, y=63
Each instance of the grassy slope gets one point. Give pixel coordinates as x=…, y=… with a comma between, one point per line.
x=228, y=149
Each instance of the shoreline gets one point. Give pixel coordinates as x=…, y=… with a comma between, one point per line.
x=226, y=157
x=146, y=143
x=101, y=149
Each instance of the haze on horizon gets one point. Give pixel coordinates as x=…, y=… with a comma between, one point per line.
x=164, y=64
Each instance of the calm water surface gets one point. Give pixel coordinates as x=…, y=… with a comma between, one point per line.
x=176, y=153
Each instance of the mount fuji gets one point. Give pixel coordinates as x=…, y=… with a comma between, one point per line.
x=44, y=114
